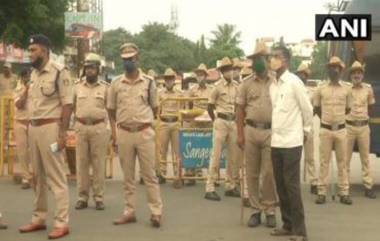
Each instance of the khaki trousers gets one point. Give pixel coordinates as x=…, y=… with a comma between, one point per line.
x=142, y=145
x=309, y=159
x=333, y=140
x=224, y=132
x=260, y=177
x=169, y=132
x=49, y=172
x=91, y=152
x=361, y=135
x=22, y=150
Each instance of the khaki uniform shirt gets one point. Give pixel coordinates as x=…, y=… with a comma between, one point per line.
x=223, y=96
x=254, y=95
x=23, y=113
x=334, y=100
x=90, y=100
x=169, y=107
x=7, y=84
x=362, y=96
x=199, y=92
x=48, y=95
x=130, y=99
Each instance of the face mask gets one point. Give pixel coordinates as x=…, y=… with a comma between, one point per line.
x=91, y=79
x=169, y=85
x=37, y=64
x=130, y=66
x=259, y=66
x=334, y=74
x=275, y=64
x=228, y=75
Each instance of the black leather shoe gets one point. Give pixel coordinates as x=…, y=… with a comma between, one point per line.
x=213, y=196
x=314, y=189
x=161, y=179
x=141, y=181
x=25, y=185
x=370, y=193
x=81, y=205
x=345, y=200
x=232, y=193
x=99, y=205
x=271, y=221
x=321, y=199
x=254, y=220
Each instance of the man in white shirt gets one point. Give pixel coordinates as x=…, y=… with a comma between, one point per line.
x=291, y=123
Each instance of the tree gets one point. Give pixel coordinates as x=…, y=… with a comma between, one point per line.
x=319, y=60
x=225, y=42
x=19, y=19
x=112, y=40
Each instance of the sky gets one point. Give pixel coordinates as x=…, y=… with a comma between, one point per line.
x=293, y=19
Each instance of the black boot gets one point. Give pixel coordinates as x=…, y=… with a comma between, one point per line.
x=213, y=196
x=254, y=220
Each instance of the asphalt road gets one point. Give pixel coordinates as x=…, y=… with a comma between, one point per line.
x=187, y=216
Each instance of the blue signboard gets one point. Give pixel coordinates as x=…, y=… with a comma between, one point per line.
x=196, y=148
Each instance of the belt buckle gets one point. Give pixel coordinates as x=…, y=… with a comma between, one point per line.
x=335, y=127
x=33, y=122
x=260, y=125
x=89, y=121
x=134, y=129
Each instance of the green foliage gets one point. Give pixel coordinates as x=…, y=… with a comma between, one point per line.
x=19, y=19
x=319, y=60
x=161, y=48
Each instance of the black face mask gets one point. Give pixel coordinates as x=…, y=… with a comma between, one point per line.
x=334, y=74
x=91, y=79
x=130, y=66
x=37, y=64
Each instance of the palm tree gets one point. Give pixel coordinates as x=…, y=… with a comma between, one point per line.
x=226, y=34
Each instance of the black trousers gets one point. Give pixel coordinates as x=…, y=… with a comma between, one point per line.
x=286, y=168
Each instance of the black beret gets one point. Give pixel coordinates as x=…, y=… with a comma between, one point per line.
x=40, y=39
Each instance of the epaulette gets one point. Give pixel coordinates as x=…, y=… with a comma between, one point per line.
x=58, y=66
x=146, y=77
x=368, y=85
x=345, y=83
x=103, y=82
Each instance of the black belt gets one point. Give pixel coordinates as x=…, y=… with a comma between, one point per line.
x=357, y=123
x=226, y=116
x=89, y=121
x=259, y=125
x=169, y=119
x=137, y=128
x=335, y=127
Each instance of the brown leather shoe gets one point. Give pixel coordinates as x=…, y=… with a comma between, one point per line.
x=32, y=227
x=59, y=233
x=130, y=218
x=155, y=220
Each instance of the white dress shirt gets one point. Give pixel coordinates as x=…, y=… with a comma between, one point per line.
x=292, y=111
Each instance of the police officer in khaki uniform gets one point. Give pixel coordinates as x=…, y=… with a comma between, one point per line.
x=200, y=90
x=8, y=80
x=222, y=99
x=304, y=73
x=358, y=130
x=168, y=127
x=332, y=101
x=90, y=95
x=21, y=116
x=132, y=105
x=254, y=116
x=51, y=95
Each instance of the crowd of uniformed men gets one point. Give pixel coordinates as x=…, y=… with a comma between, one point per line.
x=238, y=109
